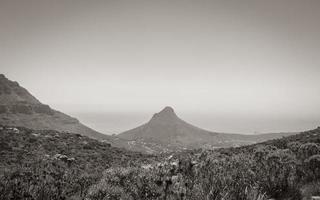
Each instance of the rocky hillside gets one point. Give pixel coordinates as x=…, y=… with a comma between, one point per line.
x=166, y=132
x=19, y=108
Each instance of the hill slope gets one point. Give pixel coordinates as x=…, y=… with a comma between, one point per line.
x=19, y=108
x=282, y=169
x=47, y=164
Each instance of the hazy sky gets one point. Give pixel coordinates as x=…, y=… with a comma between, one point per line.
x=239, y=60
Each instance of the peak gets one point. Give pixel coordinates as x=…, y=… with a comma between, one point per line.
x=5, y=80
x=167, y=114
x=167, y=109
x=2, y=76
x=11, y=92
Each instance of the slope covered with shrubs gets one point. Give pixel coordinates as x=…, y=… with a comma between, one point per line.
x=53, y=165
x=287, y=168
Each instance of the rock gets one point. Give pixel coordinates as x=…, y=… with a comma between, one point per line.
x=15, y=130
x=147, y=167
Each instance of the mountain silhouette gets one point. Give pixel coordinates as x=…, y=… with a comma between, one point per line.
x=19, y=108
x=165, y=131
x=167, y=128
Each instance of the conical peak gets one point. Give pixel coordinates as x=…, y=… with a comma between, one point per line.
x=165, y=114
x=167, y=109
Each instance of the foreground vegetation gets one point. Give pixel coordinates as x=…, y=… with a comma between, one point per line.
x=55, y=165
x=43, y=166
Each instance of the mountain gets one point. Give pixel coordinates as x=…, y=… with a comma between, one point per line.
x=19, y=108
x=166, y=132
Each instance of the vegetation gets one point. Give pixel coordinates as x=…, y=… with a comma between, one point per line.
x=52, y=165
x=55, y=165
x=286, y=168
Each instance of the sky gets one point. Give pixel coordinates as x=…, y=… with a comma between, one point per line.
x=234, y=66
